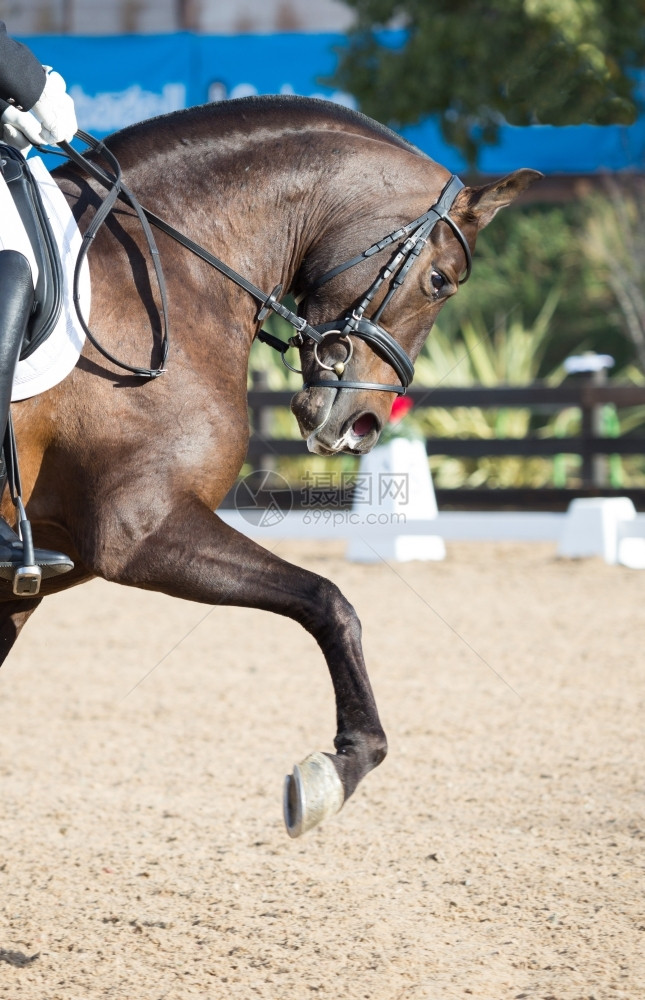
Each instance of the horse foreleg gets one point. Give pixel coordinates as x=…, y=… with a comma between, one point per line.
x=194, y=555
x=13, y=615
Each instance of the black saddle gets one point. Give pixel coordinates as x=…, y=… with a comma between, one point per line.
x=48, y=296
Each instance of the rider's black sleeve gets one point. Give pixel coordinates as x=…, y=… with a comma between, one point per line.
x=22, y=78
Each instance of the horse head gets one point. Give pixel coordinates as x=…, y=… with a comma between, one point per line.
x=371, y=336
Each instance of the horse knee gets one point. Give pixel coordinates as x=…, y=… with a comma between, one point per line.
x=326, y=610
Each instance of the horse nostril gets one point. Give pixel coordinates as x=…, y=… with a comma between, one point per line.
x=364, y=425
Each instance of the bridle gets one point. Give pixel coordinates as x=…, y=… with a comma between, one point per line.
x=353, y=324
x=398, y=267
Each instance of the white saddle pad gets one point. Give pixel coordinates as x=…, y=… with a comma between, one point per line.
x=53, y=360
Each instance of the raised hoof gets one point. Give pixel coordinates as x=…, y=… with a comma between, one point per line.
x=312, y=793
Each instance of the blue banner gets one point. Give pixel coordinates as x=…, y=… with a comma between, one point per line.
x=119, y=80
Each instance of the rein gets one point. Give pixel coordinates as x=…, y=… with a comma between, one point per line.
x=116, y=189
x=352, y=324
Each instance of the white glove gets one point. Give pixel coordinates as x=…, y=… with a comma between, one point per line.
x=52, y=118
x=20, y=129
x=54, y=109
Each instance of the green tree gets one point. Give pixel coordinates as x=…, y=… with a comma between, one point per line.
x=475, y=63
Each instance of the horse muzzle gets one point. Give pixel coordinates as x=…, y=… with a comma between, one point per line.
x=357, y=436
x=340, y=409
x=333, y=422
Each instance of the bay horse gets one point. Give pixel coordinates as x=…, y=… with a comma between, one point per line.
x=125, y=473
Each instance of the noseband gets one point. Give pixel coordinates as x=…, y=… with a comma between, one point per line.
x=353, y=324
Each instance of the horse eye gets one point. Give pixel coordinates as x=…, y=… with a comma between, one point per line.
x=438, y=280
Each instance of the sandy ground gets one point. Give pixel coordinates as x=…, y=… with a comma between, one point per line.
x=497, y=853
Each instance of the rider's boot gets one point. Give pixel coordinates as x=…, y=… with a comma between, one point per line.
x=19, y=561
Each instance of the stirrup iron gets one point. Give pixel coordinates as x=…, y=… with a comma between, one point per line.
x=26, y=578
x=26, y=567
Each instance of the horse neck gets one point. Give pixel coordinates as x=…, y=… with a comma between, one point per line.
x=249, y=210
x=277, y=200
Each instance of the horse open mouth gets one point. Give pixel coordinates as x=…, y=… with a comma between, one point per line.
x=357, y=436
x=364, y=425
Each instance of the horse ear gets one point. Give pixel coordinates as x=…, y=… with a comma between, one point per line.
x=485, y=202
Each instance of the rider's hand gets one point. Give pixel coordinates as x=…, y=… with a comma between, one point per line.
x=52, y=118
x=54, y=109
x=20, y=129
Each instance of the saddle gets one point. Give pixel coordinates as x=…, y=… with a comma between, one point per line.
x=48, y=294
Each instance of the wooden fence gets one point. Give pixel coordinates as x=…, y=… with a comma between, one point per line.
x=583, y=393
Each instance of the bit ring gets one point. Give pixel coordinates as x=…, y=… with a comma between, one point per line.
x=339, y=366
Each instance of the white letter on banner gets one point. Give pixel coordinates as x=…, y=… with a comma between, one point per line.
x=109, y=111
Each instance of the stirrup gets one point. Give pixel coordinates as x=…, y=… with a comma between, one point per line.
x=24, y=565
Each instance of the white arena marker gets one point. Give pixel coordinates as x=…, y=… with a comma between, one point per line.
x=394, y=487
x=593, y=527
x=631, y=552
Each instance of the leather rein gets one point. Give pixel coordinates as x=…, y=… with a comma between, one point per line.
x=354, y=323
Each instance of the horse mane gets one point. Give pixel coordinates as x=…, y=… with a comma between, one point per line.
x=243, y=114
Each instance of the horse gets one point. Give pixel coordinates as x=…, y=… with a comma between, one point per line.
x=125, y=473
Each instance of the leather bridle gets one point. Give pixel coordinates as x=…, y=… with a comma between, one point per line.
x=353, y=324
x=369, y=329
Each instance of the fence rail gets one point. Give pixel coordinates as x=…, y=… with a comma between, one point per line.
x=583, y=393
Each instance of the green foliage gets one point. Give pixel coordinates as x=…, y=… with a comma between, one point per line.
x=509, y=355
x=613, y=241
x=513, y=355
x=527, y=254
x=476, y=62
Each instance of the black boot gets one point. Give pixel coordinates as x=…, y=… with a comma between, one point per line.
x=19, y=561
